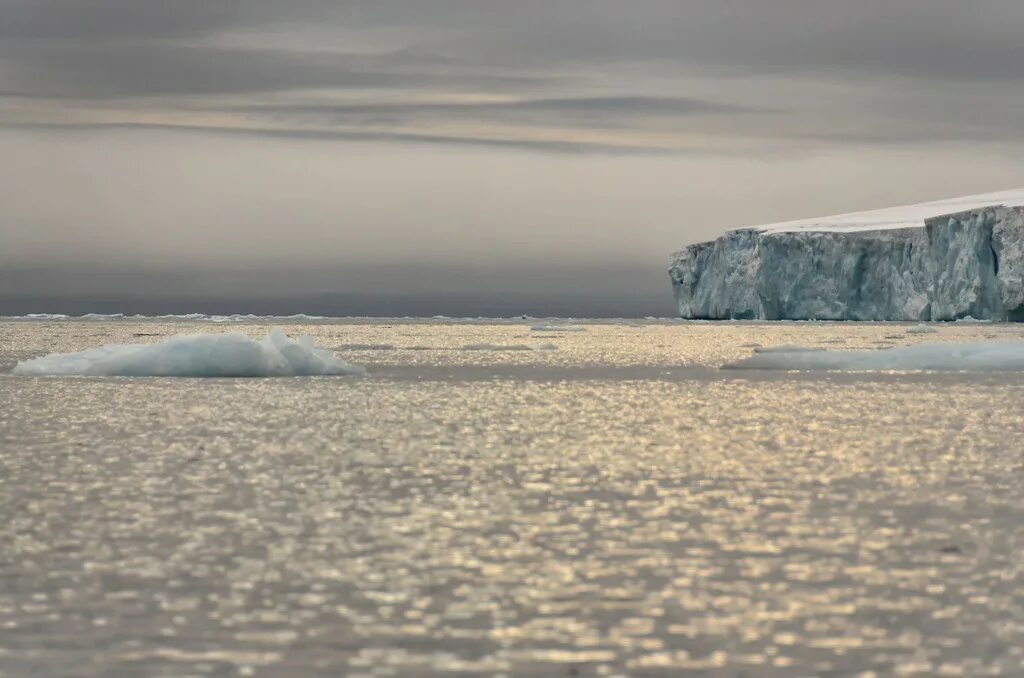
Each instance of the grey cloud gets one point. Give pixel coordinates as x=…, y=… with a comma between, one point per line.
x=580, y=111
x=112, y=71
x=94, y=20
x=543, y=145
x=941, y=39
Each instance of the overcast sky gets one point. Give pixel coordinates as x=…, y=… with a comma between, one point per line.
x=576, y=141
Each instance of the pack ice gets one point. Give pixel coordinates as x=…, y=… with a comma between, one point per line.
x=942, y=260
x=197, y=355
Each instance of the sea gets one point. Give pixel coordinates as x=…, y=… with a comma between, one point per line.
x=512, y=497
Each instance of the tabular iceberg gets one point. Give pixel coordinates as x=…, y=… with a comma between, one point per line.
x=942, y=260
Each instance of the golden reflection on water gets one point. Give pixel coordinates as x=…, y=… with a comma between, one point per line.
x=612, y=507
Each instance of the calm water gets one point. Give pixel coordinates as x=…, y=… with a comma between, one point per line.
x=616, y=506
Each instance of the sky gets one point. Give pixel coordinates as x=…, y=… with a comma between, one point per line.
x=468, y=156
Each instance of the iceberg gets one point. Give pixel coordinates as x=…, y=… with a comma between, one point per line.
x=942, y=260
x=967, y=357
x=197, y=355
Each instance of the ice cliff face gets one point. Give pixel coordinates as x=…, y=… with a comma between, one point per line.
x=936, y=261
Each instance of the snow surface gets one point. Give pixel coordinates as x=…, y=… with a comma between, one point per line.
x=864, y=266
x=903, y=216
x=969, y=357
x=197, y=355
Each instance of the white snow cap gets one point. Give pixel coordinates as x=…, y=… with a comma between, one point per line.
x=197, y=355
x=970, y=357
x=904, y=216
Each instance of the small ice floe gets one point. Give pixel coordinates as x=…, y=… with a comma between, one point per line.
x=234, y=318
x=509, y=347
x=970, y=357
x=922, y=329
x=303, y=316
x=557, y=327
x=39, y=316
x=102, y=316
x=197, y=355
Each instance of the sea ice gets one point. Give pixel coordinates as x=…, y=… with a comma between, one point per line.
x=968, y=357
x=197, y=355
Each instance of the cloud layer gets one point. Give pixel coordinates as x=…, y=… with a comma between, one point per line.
x=567, y=74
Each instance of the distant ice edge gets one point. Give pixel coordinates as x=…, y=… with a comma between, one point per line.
x=966, y=264
x=197, y=355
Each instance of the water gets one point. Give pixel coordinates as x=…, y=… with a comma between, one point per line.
x=616, y=506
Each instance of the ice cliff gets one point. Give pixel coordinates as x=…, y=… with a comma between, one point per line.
x=932, y=261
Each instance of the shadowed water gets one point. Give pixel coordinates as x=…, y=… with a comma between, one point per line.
x=615, y=506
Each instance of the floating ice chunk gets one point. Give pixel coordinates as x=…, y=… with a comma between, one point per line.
x=40, y=316
x=233, y=318
x=508, y=347
x=556, y=327
x=102, y=316
x=197, y=355
x=972, y=357
x=922, y=329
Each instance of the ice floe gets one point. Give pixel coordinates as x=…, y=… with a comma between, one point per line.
x=197, y=355
x=967, y=357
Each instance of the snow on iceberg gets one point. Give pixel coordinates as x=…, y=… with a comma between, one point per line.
x=968, y=357
x=197, y=355
x=942, y=260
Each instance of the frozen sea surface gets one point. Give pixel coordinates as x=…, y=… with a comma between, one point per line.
x=616, y=506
